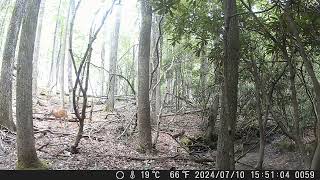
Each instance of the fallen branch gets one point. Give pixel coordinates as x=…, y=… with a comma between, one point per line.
x=119, y=75
x=254, y=146
x=175, y=157
x=43, y=146
x=183, y=99
x=126, y=129
x=183, y=113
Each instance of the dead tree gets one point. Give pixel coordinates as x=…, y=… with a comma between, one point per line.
x=82, y=82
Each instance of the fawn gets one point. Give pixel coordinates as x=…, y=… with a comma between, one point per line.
x=59, y=114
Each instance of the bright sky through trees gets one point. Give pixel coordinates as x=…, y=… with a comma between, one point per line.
x=85, y=15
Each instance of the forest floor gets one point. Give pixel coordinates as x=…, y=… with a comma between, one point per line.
x=109, y=142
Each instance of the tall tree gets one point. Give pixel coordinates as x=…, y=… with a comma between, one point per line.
x=7, y=65
x=27, y=156
x=69, y=68
x=113, y=57
x=55, y=49
x=204, y=68
x=63, y=51
x=37, y=49
x=214, y=109
x=315, y=82
x=156, y=55
x=225, y=154
x=143, y=77
x=4, y=7
x=258, y=98
x=102, y=71
x=292, y=26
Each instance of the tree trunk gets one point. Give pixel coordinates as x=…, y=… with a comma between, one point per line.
x=204, y=68
x=296, y=111
x=37, y=49
x=27, y=156
x=143, y=77
x=113, y=59
x=102, y=71
x=156, y=61
x=213, y=114
x=63, y=51
x=55, y=49
x=315, y=164
x=6, y=4
x=258, y=92
x=7, y=65
x=69, y=69
x=225, y=150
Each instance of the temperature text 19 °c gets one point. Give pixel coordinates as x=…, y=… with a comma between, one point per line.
x=150, y=174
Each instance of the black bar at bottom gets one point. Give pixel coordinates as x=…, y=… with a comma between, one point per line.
x=163, y=174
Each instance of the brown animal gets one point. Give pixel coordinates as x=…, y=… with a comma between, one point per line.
x=59, y=113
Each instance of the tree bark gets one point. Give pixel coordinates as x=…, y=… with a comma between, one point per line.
x=37, y=50
x=156, y=43
x=143, y=77
x=55, y=49
x=27, y=156
x=315, y=164
x=5, y=5
x=102, y=72
x=294, y=101
x=214, y=111
x=204, y=68
x=7, y=65
x=258, y=97
x=63, y=51
x=225, y=150
x=69, y=68
x=113, y=59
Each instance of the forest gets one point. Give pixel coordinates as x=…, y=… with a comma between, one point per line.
x=160, y=84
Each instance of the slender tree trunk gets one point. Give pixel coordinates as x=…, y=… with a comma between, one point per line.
x=5, y=5
x=156, y=61
x=143, y=77
x=134, y=68
x=213, y=114
x=58, y=59
x=102, y=73
x=225, y=154
x=296, y=111
x=55, y=49
x=258, y=92
x=7, y=65
x=69, y=69
x=113, y=58
x=63, y=51
x=37, y=50
x=177, y=85
x=27, y=156
x=158, y=88
x=204, y=68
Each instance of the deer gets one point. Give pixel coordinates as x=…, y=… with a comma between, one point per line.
x=59, y=114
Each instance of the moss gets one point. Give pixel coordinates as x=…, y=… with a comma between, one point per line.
x=185, y=141
x=141, y=149
x=38, y=165
x=145, y=150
